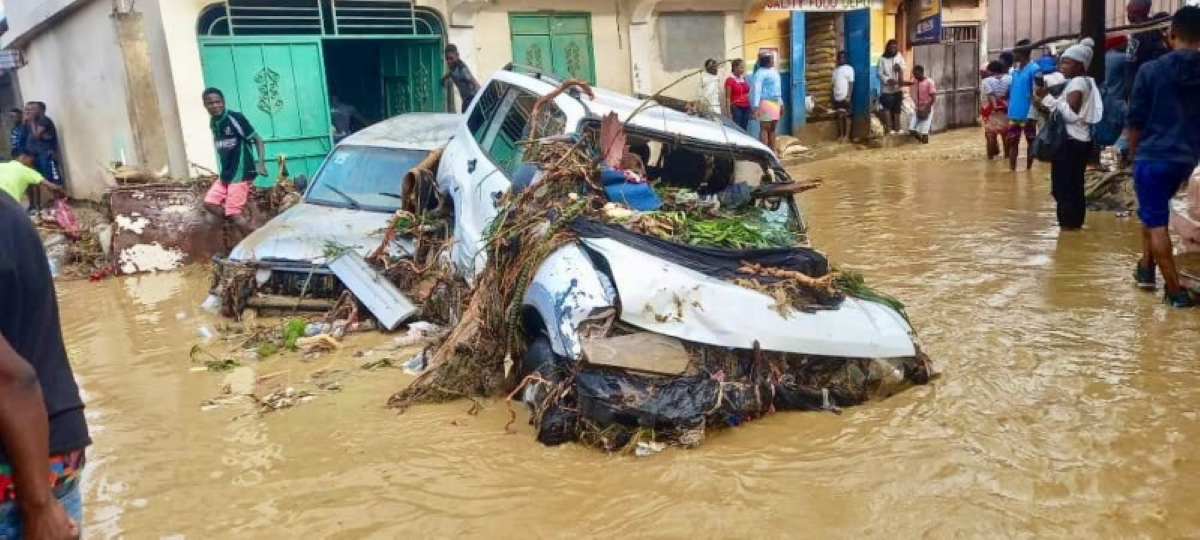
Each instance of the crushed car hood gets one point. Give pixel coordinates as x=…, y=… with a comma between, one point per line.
x=303, y=233
x=674, y=300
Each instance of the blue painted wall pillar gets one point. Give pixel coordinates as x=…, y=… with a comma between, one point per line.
x=857, y=28
x=799, y=114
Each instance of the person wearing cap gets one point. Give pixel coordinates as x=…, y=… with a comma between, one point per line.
x=1080, y=106
x=1163, y=129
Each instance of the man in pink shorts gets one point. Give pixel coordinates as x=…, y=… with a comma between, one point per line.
x=232, y=134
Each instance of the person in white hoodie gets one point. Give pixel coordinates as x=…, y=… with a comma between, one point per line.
x=1080, y=106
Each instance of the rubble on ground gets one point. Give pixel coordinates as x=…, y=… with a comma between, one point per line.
x=1110, y=191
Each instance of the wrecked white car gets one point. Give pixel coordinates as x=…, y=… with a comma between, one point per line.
x=346, y=206
x=483, y=159
x=648, y=317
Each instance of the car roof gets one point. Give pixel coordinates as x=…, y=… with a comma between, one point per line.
x=653, y=117
x=416, y=131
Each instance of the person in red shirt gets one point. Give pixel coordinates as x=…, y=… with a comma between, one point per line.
x=737, y=95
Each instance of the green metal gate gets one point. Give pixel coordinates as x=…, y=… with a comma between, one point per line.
x=267, y=57
x=560, y=43
x=412, y=77
x=279, y=84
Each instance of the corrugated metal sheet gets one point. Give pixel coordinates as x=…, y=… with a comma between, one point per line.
x=1012, y=20
x=378, y=294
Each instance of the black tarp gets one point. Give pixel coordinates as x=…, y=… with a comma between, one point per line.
x=716, y=262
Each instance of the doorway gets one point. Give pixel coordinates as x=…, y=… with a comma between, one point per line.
x=953, y=64
x=280, y=66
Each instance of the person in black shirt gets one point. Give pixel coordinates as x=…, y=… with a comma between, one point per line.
x=1143, y=46
x=458, y=73
x=18, y=134
x=232, y=134
x=41, y=139
x=42, y=427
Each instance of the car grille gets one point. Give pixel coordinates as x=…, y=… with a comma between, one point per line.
x=292, y=283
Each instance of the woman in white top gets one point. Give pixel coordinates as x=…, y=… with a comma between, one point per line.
x=1080, y=107
x=710, y=89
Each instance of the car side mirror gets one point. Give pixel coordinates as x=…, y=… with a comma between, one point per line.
x=300, y=182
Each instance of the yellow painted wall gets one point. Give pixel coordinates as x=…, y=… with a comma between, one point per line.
x=768, y=29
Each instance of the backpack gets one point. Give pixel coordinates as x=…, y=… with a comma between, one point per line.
x=1108, y=129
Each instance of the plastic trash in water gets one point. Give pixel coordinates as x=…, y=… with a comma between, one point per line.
x=212, y=304
x=53, y=268
x=205, y=333
x=416, y=365
x=417, y=332
x=316, y=329
x=645, y=449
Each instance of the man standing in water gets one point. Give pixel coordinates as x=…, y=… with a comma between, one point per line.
x=890, y=71
x=1020, y=103
x=843, y=92
x=233, y=134
x=43, y=432
x=924, y=95
x=1163, y=130
x=458, y=73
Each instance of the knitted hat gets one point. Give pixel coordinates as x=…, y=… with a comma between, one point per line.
x=1081, y=52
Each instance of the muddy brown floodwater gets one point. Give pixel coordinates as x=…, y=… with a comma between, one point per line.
x=1067, y=408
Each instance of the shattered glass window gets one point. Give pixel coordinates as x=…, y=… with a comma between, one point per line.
x=481, y=116
x=363, y=177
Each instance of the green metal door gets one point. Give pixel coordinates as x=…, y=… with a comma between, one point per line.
x=279, y=84
x=560, y=43
x=412, y=75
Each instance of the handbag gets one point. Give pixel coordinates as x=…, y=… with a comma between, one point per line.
x=1051, y=139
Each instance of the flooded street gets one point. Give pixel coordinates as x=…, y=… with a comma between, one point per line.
x=1068, y=405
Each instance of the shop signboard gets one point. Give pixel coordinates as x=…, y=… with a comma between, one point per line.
x=822, y=5
x=929, y=24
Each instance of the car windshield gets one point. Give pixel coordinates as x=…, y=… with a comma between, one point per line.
x=363, y=177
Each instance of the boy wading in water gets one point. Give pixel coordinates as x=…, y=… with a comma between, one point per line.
x=232, y=134
x=1163, y=130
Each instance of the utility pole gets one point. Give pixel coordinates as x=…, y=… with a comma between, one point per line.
x=1092, y=25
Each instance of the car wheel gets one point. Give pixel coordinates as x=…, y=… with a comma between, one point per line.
x=538, y=355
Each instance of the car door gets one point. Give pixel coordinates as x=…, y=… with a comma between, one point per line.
x=487, y=152
x=464, y=166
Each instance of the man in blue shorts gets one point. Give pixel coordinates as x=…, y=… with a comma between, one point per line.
x=1164, y=143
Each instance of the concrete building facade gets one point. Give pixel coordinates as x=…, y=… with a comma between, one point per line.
x=123, y=79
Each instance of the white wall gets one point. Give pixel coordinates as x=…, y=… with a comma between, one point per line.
x=75, y=66
x=180, y=78
x=689, y=89
x=26, y=15
x=160, y=63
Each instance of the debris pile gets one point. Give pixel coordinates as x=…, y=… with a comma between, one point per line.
x=622, y=410
x=1110, y=191
x=614, y=406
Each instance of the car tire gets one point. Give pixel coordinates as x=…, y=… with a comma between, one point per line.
x=538, y=354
